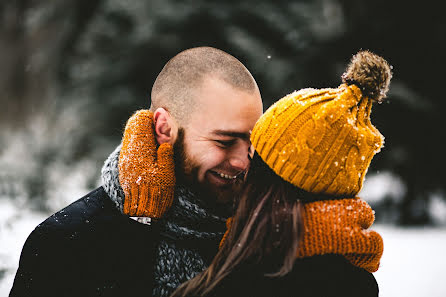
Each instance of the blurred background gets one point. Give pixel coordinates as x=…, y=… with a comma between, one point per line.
x=73, y=71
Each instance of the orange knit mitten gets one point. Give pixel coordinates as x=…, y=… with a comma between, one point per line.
x=342, y=227
x=146, y=174
x=338, y=227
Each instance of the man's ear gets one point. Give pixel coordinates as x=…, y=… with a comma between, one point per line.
x=165, y=126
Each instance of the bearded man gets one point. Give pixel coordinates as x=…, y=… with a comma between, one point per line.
x=167, y=189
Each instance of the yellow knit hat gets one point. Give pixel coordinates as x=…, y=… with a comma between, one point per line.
x=322, y=140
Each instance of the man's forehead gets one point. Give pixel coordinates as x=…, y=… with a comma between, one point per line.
x=231, y=133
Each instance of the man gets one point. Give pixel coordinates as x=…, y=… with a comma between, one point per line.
x=204, y=104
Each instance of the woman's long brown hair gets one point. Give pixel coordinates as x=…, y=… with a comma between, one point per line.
x=267, y=226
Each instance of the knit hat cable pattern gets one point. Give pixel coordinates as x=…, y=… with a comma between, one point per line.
x=322, y=140
x=189, y=232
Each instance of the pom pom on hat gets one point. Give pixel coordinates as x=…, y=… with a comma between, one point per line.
x=370, y=73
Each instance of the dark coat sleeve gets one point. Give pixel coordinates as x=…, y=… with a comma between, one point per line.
x=39, y=271
x=87, y=249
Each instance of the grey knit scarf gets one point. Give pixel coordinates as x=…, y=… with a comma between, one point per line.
x=189, y=232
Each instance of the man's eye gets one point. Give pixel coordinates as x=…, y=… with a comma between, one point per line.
x=225, y=143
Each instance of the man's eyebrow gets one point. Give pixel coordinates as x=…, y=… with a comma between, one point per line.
x=242, y=135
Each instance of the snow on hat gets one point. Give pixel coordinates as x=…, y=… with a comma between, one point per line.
x=322, y=140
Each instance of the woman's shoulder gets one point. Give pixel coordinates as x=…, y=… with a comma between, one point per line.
x=327, y=275
x=332, y=275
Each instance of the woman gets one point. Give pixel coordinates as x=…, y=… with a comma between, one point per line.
x=299, y=229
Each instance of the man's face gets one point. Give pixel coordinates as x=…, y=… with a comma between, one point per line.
x=213, y=147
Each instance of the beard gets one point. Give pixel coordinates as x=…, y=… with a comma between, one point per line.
x=218, y=199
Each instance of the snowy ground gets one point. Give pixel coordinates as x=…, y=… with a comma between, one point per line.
x=413, y=263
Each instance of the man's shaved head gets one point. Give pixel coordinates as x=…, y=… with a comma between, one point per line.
x=205, y=104
x=174, y=88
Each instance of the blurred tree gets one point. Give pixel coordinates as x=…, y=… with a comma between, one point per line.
x=80, y=68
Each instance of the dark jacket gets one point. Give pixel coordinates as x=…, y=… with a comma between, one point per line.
x=88, y=249
x=318, y=276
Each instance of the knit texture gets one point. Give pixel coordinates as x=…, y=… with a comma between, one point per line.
x=146, y=174
x=191, y=235
x=110, y=179
x=189, y=232
x=340, y=227
x=321, y=141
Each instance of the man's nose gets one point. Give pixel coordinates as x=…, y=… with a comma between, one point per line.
x=239, y=158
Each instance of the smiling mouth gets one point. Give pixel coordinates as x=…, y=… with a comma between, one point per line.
x=227, y=176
